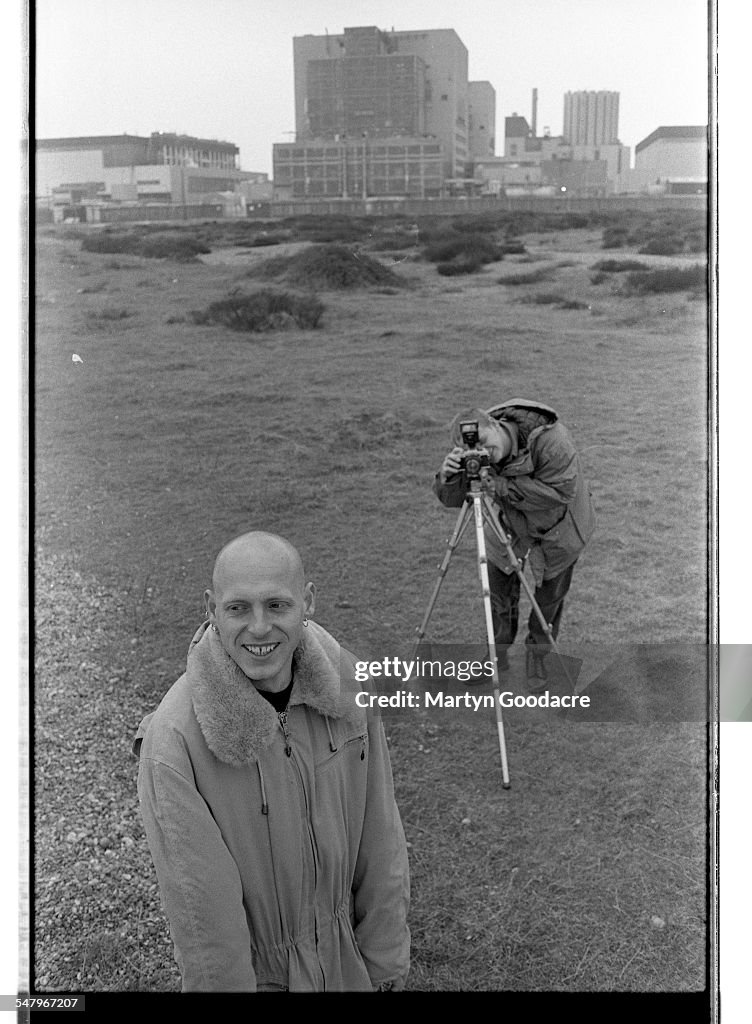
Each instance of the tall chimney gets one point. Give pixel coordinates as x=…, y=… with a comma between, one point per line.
x=535, y=113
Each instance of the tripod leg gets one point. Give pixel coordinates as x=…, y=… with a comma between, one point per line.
x=459, y=528
x=488, y=516
x=477, y=497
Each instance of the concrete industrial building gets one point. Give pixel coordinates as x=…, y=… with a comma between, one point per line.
x=536, y=162
x=591, y=118
x=481, y=119
x=548, y=164
x=382, y=114
x=163, y=168
x=670, y=157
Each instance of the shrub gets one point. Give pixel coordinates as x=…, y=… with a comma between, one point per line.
x=646, y=227
x=393, y=241
x=599, y=277
x=513, y=247
x=614, y=238
x=617, y=266
x=462, y=264
x=474, y=225
x=329, y=228
x=328, y=266
x=543, y=299
x=673, y=279
x=663, y=245
x=448, y=227
x=568, y=221
x=639, y=233
x=172, y=245
x=264, y=310
x=436, y=235
x=107, y=242
x=552, y=299
x=469, y=247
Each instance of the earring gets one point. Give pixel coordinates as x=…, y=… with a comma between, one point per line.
x=305, y=622
x=214, y=628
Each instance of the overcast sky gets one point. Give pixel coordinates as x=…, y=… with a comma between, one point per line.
x=223, y=68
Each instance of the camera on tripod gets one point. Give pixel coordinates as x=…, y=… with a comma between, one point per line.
x=475, y=459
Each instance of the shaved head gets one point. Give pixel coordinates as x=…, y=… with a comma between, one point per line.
x=259, y=605
x=254, y=549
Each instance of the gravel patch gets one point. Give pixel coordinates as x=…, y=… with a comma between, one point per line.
x=98, y=924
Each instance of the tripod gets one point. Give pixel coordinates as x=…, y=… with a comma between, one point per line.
x=482, y=512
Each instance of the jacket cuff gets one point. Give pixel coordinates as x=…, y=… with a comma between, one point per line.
x=501, y=486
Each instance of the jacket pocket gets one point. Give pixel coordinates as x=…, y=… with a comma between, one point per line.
x=353, y=748
x=562, y=543
x=584, y=519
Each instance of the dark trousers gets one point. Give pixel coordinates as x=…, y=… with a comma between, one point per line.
x=505, y=605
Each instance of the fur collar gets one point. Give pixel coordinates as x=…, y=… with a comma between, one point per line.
x=236, y=721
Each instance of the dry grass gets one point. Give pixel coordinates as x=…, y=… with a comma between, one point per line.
x=155, y=450
x=545, y=273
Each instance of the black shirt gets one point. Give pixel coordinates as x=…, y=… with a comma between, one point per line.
x=278, y=701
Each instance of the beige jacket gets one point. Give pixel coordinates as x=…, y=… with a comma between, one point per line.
x=280, y=853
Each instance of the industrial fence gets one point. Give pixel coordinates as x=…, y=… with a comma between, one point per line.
x=480, y=205
x=163, y=211
x=170, y=212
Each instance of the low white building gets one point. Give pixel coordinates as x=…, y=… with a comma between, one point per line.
x=162, y=168
x=671, y=153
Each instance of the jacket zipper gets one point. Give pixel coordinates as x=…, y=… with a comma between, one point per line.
x=282, y=715
x=283, y=722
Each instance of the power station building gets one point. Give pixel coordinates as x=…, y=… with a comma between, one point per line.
x=383, y=114
x=550, y=164
x=481, y=119
x=673, y=158
x=164, y=168
x=591, y=118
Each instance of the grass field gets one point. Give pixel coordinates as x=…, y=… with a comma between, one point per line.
x=167, y=437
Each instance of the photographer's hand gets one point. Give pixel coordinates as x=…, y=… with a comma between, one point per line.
x=451, y=464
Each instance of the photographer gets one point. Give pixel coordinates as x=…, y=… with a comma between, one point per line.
x=545, y=508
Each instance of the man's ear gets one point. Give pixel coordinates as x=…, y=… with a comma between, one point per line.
x=211, y=604
x=309, y=599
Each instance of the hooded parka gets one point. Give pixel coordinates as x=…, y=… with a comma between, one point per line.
x=276, y=839
x=540, y=489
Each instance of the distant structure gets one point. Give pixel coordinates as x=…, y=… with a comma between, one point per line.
x=673, y=158
x=481, y=121
x=534, y=124
x=129, y=170
x=591, y=118
x=553, y=164
x=383, y=114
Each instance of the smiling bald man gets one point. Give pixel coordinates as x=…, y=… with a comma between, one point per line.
x=259, y=605
x=267, y=797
